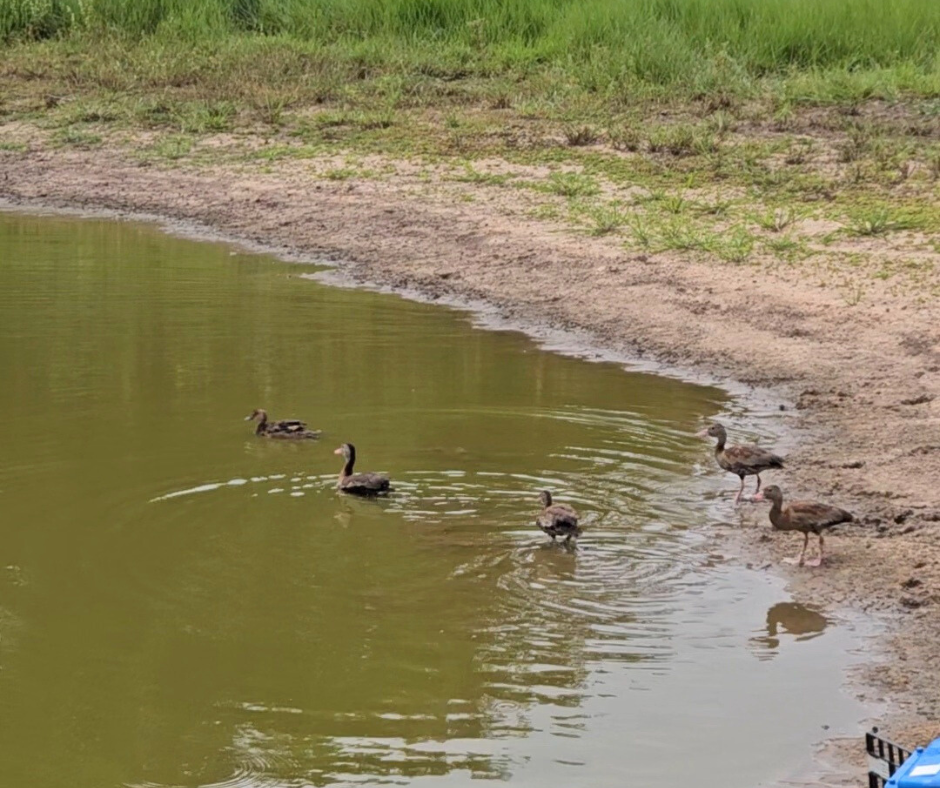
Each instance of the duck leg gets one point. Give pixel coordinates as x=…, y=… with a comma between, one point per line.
x=799, y=561
x=817, y=561
x=737, y=498
x=758, y=483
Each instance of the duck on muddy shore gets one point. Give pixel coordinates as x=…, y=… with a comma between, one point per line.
x=804, y=516
x=740, y=460
x=290, y=429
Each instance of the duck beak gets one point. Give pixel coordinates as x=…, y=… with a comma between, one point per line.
x=702, y=434
x=247, y=418
x=338, y=451
x=757, y=497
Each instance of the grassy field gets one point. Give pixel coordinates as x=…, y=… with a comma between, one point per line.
x=743, y=130
x=617, y=50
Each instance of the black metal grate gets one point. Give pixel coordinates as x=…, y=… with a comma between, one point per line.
x=886, y=752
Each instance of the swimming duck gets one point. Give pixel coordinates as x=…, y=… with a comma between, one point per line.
x=740, y=460
x=803, y=516
x=359, y=483
x=557, y=519
x=288, y=428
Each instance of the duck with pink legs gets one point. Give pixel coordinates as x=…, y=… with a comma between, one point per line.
x=740, y=460
x=806, y=517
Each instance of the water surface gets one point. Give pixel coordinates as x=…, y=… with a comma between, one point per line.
x=183, y=604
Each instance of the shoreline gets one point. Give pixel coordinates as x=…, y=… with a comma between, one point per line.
x=336, y=272
x=863, y=420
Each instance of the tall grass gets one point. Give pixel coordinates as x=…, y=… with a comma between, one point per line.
x=604, y=44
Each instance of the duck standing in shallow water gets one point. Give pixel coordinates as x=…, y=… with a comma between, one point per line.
x=291, y=429
x=359, y=483
x=557, y=519
x=740, y=460
x=803, y=516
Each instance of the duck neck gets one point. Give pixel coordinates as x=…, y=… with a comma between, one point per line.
x=720, y=446
x=776, y=513
x=350, y=461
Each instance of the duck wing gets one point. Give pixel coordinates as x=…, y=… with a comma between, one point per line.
x=288, y=425
x=295, y=435
x=810, y=516
x=752, y=458
x=290, y=428
x=365, y=483
x=560, y=515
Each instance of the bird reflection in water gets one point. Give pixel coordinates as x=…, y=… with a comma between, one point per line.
x=790, y=618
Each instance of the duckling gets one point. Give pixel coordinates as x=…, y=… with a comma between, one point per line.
x=291, y=429
x=557, y=519
x=740, y=460
x=359, y=483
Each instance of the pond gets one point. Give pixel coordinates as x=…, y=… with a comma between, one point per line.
x=185, y=604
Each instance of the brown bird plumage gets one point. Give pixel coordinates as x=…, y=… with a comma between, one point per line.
x=359, y=483
x=557, y=519
x=803, y=516
x=741, y=460
x=291, y=429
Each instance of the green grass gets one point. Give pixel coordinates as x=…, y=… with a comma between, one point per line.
x=674, y=203
x=601, y=219
x=346, y=173
x=777, y=220
x=570, y=184
x=169, y=148
x=879, y=219
x=577, y=136
x=471, y=175
x=613, y=48
x=785, y=247
x=702, y=127
x=77, y=138
x=625, y=137
x=933, y=162
x=681, y=140
x=675, y=234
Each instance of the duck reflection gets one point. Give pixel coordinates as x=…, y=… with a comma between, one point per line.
x=531, y=649
x=791, y=618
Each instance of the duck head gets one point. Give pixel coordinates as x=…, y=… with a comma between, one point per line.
x=347, y=451
x=716, y=430
x=770, y=493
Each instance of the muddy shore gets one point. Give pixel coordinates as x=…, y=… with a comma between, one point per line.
x=856, y=383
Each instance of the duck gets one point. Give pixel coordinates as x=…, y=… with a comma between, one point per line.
x=359, y=483
x=803, y=516
x=740, y=460
x=291, y=429
x=557, y=519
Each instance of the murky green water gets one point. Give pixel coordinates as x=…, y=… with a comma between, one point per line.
x=182, y=604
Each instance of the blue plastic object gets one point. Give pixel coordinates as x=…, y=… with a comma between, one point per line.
x=921, y=770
